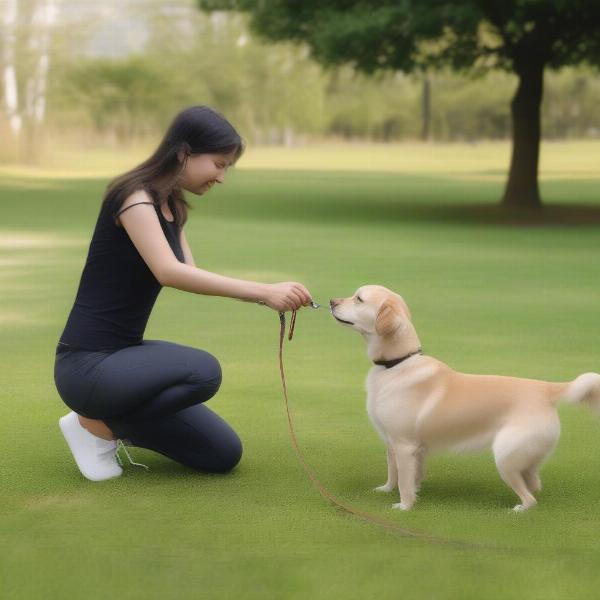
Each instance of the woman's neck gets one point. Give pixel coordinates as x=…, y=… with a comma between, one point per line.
x=162, y=195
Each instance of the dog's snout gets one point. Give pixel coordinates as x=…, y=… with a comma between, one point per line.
x=333, y=302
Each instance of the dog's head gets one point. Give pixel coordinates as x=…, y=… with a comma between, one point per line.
x=372, y=310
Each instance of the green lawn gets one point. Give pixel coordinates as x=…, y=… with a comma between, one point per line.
x=488, y=294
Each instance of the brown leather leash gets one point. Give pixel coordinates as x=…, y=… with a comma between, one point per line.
x=393, y=527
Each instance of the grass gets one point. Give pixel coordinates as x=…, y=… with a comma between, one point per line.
x=489, y=293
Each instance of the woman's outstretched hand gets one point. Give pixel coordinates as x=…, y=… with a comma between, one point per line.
x=288, y=295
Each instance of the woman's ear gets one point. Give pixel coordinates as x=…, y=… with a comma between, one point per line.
x=388, y=319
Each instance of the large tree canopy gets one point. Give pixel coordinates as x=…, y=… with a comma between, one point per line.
x=523, y=36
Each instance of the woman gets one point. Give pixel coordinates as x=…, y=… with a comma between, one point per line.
x=151, y=393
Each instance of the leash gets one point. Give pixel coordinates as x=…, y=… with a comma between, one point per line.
x=393, y=527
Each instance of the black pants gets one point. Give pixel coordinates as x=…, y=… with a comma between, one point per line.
x=152, y=394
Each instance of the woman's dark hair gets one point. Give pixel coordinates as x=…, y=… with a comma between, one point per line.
x=195, y=130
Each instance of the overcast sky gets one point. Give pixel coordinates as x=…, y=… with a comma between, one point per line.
x=117, y=28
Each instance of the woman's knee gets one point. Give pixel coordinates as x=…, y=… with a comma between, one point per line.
x=227, y=454
x=207, y=374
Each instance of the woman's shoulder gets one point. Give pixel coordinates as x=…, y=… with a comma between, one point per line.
x=143, y=194
x=139, y=195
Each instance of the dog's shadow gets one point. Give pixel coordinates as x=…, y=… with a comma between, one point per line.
x=466, y=492
x=450, y=490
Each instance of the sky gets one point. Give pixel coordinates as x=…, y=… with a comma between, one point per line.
x=117, y=28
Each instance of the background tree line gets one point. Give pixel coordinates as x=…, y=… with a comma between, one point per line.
x=274, y=94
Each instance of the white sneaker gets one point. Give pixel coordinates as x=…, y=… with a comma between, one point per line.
x=95, y=456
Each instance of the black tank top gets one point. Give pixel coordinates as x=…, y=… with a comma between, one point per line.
x=117, y=290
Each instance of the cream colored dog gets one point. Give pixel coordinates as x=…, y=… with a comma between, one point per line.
x=418, y=404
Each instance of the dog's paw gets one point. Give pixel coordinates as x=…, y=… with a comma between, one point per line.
x=387, y=487
x=402, y=506
x=522, y=507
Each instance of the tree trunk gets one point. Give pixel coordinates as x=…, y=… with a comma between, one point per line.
x=522, y=186
x=426, y=109
x=9, y=79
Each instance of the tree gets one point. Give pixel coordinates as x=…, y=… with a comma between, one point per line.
x=522, y=36
x=25, y=65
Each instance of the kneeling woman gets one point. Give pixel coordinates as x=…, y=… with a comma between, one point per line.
x=126, y=390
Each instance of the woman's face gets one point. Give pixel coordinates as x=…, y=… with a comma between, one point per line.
x=202, y=171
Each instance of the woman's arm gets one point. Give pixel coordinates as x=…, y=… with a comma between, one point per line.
x=143, y=227
x=187, y=251
x=191, y=279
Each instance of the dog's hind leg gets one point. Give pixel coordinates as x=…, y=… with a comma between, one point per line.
x=515, y=480
x=392, y=477
x=407, y=470
x=519, y=451
x=531, y=474
x=532, y=478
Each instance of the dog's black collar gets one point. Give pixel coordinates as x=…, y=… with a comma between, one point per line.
x=388, y=364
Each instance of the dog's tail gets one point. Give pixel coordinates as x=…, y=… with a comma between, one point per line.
x=585, y=389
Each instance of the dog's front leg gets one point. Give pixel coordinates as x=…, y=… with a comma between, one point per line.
x=421, y=469
x=406, y=461
x=392, y=477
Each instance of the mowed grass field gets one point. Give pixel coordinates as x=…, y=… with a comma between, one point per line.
x=490, y=292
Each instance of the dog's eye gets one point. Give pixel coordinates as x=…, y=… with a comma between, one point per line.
x=359, y=298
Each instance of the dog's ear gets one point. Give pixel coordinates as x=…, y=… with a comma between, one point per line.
x=388, y=319
x=406, y=309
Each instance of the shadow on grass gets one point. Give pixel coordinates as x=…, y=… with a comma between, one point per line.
x=329, y=198
x=427, y=213
x=403, y=199
x=454, y=492
x=468, y=493
x=549, y=215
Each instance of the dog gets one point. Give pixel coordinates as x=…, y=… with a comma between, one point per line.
x=419, y=405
